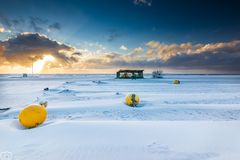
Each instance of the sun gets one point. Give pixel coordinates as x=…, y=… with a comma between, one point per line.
x=38, y=65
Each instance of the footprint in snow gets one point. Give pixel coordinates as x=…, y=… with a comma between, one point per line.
x=167, y=153
x=158, y=148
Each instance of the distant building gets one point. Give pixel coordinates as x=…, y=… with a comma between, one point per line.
x=25, y=75
x=129, y=74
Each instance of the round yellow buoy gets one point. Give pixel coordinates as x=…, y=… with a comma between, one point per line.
x=132, y=100
x=33, y=115
x=176, y=82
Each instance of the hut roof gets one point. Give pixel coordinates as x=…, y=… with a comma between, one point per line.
x=130, y=70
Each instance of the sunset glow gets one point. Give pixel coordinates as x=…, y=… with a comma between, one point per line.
x=38, y=65
x=120, y=79
x=144, y=34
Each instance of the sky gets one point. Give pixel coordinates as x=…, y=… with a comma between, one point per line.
x=102, y=36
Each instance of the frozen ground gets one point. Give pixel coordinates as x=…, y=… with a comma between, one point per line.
x=95, y=97
x=87, y=117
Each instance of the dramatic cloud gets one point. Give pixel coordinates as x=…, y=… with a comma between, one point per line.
x=214, y=56
x=122, y=47
x=223, y=62
x=224, y=56
x=143, y=2
x=167, y=51
x=27, y=47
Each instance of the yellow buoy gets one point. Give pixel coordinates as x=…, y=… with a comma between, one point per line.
x=33, y=115
x=176, y=82
x=132, y=100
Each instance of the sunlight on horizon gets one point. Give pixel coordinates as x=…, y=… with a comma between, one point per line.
x=39, y=64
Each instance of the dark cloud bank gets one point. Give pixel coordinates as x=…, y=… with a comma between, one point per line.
x=221, y=57
x=25, y=47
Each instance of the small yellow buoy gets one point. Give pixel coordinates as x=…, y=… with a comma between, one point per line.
x=33, y=115
x=132, y=100
x=176, y=82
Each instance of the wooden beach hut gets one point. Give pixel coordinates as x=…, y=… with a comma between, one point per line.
x=129, y=74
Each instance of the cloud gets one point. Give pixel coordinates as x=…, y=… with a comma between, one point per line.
x=137, y=50
x=122, y=47
x=223, y=56
x=25, y=47
x=55, y=26
x=207, y=61
x=41, y=25
x=143, y=2
x=10, y=24
x=77, y=54
x=37, y=23
x=165, y=52
x=34, y=24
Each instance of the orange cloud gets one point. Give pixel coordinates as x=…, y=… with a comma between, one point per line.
x=18, y=53
x=27, y=47
x=165, y=52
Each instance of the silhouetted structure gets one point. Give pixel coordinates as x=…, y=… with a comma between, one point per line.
x=129, y=74
x=25, y=75
x=157, y=74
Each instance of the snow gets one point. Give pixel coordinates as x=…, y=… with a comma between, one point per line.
x=122, y=140
x=87, y=118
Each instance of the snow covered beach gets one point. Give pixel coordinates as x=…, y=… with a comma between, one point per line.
x=87, y=117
